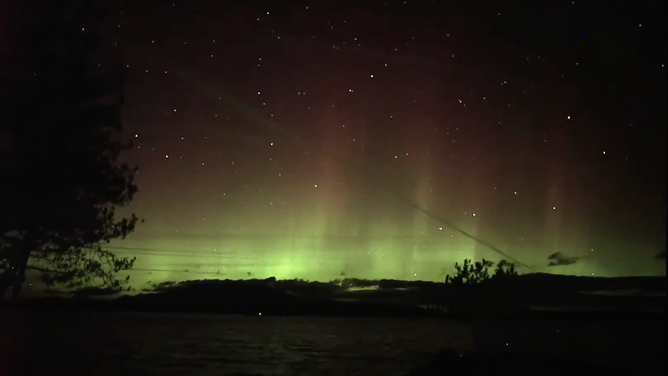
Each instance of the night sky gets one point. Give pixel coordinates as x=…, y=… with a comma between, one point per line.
x=316, y=139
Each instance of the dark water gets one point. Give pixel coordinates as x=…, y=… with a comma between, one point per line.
x=150, y=344
x=162, y=344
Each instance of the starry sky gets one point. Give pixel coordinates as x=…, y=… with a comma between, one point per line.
x=390, y=139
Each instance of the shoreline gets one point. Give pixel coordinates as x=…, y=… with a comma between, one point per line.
x=525, y=297
x=328, y=308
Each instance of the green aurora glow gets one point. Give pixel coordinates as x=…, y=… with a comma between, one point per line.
x=326, y=219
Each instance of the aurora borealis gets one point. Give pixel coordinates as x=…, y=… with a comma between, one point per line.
x=322, y=139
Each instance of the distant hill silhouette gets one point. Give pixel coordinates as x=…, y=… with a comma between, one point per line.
x=386, y=298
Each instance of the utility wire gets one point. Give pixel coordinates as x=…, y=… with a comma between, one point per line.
x=223, y=253
x=149, y=270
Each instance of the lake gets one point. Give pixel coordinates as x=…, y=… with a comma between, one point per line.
x=202, y=345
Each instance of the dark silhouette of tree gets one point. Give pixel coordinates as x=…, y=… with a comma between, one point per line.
x=504, y=269
x=61, y=131
x=470, y=273
x=559, y=259
x=474, y=289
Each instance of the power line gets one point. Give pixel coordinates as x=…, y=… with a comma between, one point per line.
x=226, y=254
x=199, y=255
x=150, y=270
x=166, y=253
x=255, y=236
x=157, y=252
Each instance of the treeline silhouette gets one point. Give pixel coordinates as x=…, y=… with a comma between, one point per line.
x=470, y=291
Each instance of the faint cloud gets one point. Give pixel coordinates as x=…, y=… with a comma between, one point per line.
x=559, y=259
